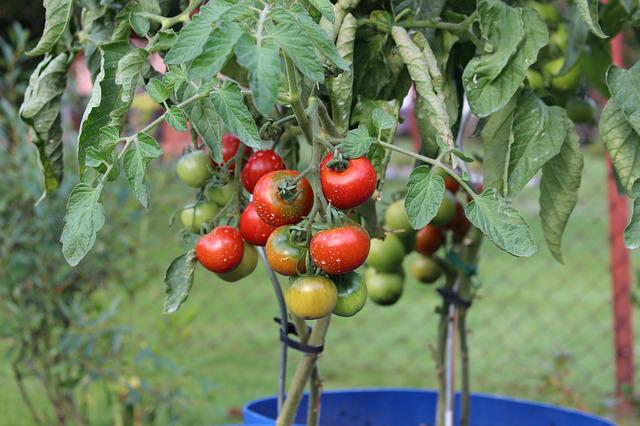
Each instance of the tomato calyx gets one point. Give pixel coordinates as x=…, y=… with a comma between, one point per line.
x=338, y=163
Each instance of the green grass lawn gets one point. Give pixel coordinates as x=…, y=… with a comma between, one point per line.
x=222, y=345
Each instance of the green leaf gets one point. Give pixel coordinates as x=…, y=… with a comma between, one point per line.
x=84, y=218
x=41, y=111
x=205, y=120
x=326, y=8
x=263, y=64
x=105, y=98
x=514, y=38
x=176, y=119
x=559, y=190
x=57, y=15
x=157, y=90
x=382, y=119
x=578, y=34
x=216, y=52
x=128, y=73
x=424, y=195
x=341, y=87
x=287, y=35
x=193, y=37
x=519, y=140
x=229, y=103
x=140, y=24
x=356, y=143
x=143, y=149
x=308, y=29
x=589, y=11
x=632, y=231
x=501, y=223
x=179, y=281
x=620, y=126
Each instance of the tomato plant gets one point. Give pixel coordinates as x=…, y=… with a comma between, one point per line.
x=331, y=77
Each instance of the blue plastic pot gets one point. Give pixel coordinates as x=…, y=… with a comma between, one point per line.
x=414, y=407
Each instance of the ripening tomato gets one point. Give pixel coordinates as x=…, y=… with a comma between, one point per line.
x=220, y=250
x=340, y=250
x=193, y=217
x=246, y=267
x=384, y=288
x=221, y=195
x=446, y=211
x=581, y=110
x=429, y=239
x=253, y=229
x=193, y=168
x=278, y=208
x=450, y=183
x=425, y=269
x=284, y=254
x=352, y=294
x=259, y=164
x=310, y=296
x=349, y=187
x=386, y=255
x=230, y=145
x=460, y=230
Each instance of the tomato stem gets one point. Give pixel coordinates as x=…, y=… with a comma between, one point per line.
x=296, y=103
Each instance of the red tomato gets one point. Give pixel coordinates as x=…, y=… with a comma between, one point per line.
x=340, y=250
x=270, y=204
x=428, y=240
x=230, y=145
x=253, y=229
x=220, y=250
x=259, y=164
x=350, y=187
x=449, y=182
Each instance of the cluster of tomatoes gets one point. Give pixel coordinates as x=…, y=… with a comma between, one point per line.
x=384, y=274
x=320, y=257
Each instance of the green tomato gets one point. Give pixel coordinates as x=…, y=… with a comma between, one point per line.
x=193, y=169
x=548, y=11
x=352, y=294
x=310, y=296
x=247, y=265
x=386, y=255
x=221, y=195
x=580, y=110
x=446, y=211
x=193, y=218
x=535, y=79
x=566, y=82
x=383, y=288
x=425, y=269
x=559, y=38
x=396, y=219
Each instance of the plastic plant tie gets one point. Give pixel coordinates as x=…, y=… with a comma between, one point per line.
x=296, y=344
x=459, y=264
x=453, y=298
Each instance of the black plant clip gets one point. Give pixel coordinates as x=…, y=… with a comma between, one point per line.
x=296, y=344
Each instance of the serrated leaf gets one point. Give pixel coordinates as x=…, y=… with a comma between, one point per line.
x=287, y=35
x=356, y=143
x=140, y=24
x=229, y=103
x=105, y=98
x=514, y=36
x=382, y=120
x=57, y=15
x=308, y=29
x=193, y=37
x=263, y=64
x=142, y=150
x=84, y=218
x=179, y=280
x=559, y=190
x=216, y=52
x=341, y=87
x=157, y=90
x=589, y=11
x=425, y=192
x=41, y=111
x=519, y=140
x=128, y=73
x=166, y=40
x=501, y=223
x=632, y=231
x=326, y=8
x=205, y=120
x=176, y=119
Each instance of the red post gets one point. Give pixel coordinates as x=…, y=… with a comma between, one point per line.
x=620, y=275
